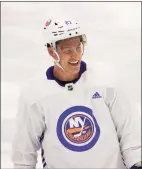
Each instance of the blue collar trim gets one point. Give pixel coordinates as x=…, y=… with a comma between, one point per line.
x=50, y=75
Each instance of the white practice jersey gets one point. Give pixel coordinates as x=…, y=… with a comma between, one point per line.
x=76, y=125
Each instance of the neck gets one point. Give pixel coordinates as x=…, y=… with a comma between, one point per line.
x=63, y=75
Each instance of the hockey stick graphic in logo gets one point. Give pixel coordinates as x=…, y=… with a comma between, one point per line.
x=79, y=134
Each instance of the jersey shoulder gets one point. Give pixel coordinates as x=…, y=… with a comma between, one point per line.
x=101, y=75
x=95, y=82
x=37, y=88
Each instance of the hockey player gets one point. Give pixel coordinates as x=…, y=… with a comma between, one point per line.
x=74, y=122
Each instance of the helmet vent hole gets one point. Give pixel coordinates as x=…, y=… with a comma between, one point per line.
x=56, y=23
x=70, y=34
x=48, y=45
x=76, y=32
x=44, y=28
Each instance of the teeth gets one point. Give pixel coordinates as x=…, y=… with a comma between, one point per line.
x=74, y=62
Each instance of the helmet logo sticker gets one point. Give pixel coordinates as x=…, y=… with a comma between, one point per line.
x=48, y=23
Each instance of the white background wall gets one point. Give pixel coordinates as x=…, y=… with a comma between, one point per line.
x=114, y=36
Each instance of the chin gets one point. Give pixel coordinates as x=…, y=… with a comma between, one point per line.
x=75, y=70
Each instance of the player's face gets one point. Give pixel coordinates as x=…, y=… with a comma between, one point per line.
x=70, y=52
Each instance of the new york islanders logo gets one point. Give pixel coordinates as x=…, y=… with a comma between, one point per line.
x=77, y=128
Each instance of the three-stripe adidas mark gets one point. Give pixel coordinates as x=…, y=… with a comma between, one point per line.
x=96, y=96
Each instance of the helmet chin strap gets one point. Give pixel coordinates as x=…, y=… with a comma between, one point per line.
x=57, y=62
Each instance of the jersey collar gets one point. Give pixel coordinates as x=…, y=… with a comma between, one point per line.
x=50, y=75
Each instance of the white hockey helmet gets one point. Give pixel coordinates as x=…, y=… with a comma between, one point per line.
x=55, y=30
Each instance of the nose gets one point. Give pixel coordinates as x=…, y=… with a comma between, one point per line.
x=75, y=55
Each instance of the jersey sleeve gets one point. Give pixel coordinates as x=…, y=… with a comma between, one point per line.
x=127, y=121
x=30, y=126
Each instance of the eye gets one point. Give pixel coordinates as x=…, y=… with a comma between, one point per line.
x=79, y=48
x=67, y=50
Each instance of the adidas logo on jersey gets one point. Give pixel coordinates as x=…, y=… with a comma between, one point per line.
x=96, y=96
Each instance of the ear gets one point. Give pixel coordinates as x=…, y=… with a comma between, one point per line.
x=52, y=53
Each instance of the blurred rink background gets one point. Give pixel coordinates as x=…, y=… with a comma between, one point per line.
x=114, y=50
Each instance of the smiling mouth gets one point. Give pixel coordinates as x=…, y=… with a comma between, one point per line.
x=74, y=63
